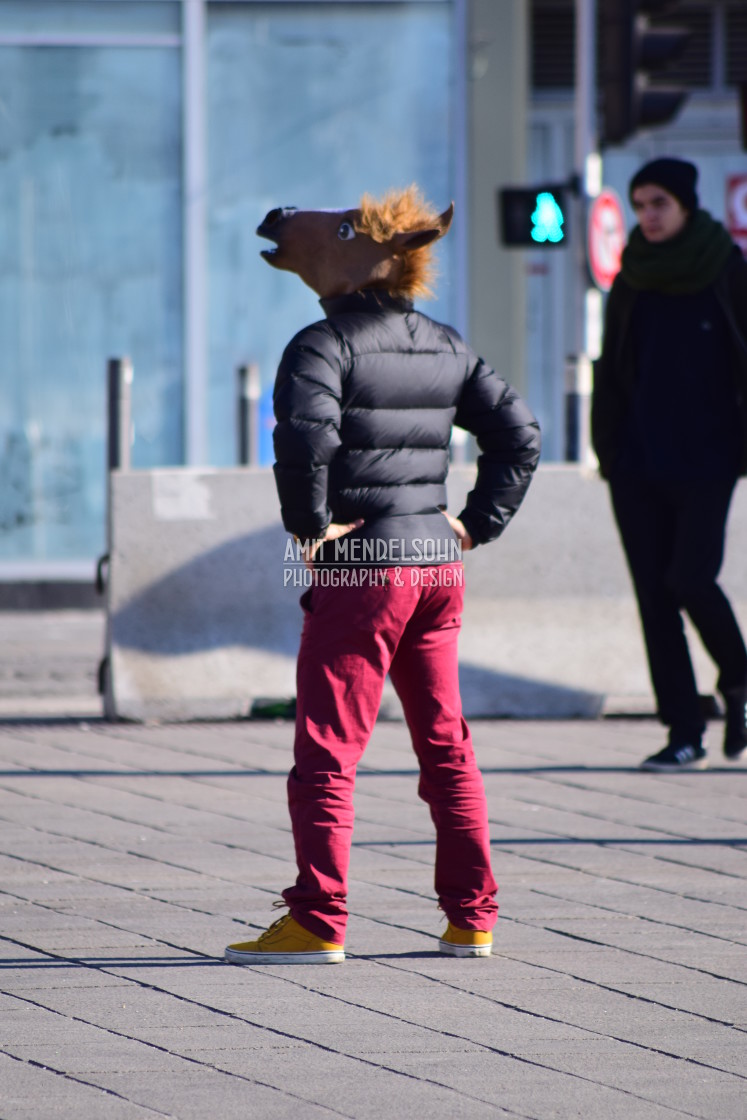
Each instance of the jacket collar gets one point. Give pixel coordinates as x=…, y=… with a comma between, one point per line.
x=373, y=300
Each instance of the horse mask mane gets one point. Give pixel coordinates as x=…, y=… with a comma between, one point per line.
x=384, y=243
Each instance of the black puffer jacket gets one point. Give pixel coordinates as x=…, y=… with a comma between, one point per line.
x=364, y=403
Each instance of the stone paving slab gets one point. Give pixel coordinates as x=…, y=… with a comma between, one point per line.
x=130, y=854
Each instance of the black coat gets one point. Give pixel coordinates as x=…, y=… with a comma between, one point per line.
x=365, y=401
x=615, y=372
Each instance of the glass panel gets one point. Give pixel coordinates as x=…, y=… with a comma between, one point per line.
x=311, y=105
x=88, y=17
x=90, y=268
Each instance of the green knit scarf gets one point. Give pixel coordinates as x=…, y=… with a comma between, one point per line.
x=688, y=262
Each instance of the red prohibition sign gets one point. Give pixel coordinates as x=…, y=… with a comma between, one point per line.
x=606, y=237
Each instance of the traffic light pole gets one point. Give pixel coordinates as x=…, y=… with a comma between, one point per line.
x=588, y=177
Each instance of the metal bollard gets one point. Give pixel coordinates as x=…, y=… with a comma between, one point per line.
x=248, y=414
x=120, y=413
x=577, y=403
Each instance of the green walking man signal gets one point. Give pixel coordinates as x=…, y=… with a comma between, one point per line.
x=547, y=220
x=534, y=217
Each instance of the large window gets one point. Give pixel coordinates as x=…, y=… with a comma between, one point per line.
x=311, y=105
x=90, y=264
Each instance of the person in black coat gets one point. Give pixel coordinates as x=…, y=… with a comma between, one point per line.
x=669, y=427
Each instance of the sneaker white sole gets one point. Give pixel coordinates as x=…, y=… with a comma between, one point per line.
x=450, y=950
x=327, y=956
x=674, y=768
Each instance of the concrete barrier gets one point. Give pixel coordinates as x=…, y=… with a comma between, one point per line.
x=203, y=616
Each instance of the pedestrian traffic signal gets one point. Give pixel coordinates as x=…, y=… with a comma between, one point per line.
x=533, y=217
x=632, y=51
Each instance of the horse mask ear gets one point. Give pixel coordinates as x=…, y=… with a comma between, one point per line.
x=417, y=239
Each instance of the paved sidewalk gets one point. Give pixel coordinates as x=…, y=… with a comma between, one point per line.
x=131, y=854
x=49, y=662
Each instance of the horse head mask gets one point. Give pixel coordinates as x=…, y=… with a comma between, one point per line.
x=384, y=243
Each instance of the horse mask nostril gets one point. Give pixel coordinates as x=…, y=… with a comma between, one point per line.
x=278, y=213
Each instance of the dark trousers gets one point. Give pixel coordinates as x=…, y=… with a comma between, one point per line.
x=673, y=536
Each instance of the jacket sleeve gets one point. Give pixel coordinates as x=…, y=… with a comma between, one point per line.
x=608, y=399
x=508, y=438
x=306, y=402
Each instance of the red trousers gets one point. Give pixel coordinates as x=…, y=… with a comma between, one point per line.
x=406, y=624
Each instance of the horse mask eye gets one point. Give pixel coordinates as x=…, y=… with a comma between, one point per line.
x=346, y=232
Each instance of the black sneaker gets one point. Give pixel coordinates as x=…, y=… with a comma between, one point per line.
x=735, y=733
x=676, y=757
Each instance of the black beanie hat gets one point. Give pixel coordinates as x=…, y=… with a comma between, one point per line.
x=677, y=176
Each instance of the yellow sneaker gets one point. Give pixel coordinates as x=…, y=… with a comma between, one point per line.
x=466, y=942
x=285, y=942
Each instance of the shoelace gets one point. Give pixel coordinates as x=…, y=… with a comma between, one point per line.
x=276, y=925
